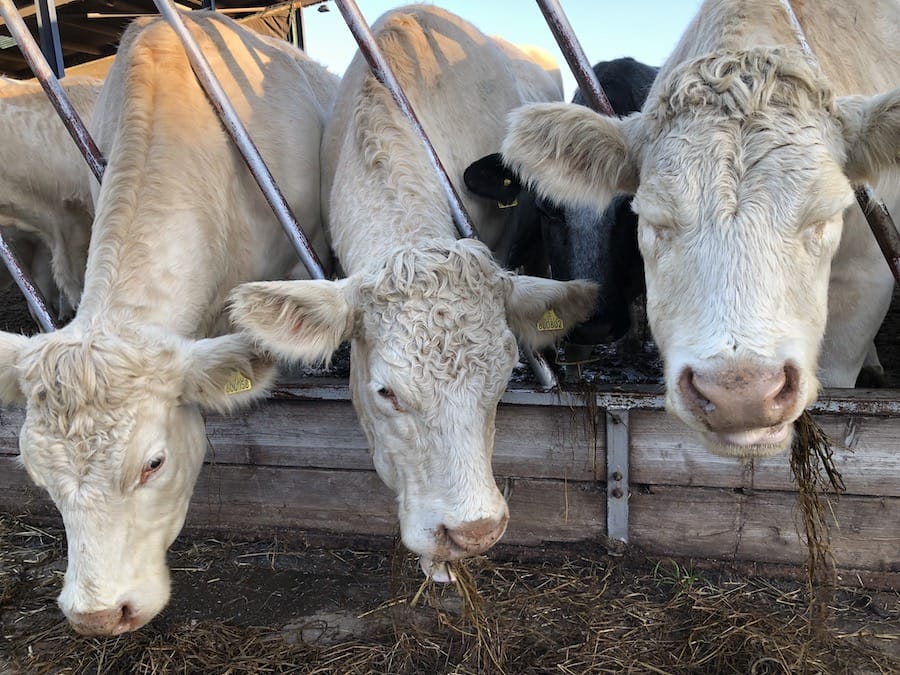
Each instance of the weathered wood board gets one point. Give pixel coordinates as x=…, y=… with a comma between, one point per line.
x=300, y=461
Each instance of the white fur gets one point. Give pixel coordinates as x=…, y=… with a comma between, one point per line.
x=431, y=319
x=756, y=253
x=179, y=222
x=45, y=192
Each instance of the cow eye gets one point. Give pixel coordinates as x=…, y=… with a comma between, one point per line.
x=151, y=467
x=390, y=396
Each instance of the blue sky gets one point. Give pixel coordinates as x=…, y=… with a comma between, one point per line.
x=644, y=29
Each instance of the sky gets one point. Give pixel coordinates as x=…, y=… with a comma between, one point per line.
x=646, y=30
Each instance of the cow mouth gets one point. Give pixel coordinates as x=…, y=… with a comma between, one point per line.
x=751, y=443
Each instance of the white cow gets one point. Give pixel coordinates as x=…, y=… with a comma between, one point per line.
x=432, y=320
x=759, y=264
x=45, y=187
x=113, y=428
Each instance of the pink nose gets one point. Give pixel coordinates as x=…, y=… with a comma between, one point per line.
x=475, y=537
x=105, y=622
x=742, y=398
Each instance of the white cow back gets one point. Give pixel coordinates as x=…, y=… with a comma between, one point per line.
x=461, y=85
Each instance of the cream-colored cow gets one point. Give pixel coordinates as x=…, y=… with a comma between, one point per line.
x=45, y=187
x=113, y=427
x=760, y=267
x=432, y=320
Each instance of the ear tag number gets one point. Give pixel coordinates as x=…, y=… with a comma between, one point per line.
x=549, y=321
x=237, y=383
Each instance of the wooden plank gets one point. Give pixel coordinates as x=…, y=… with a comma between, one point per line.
x=532, y=441
x=752, y=526
x=760, y=526
x=665, y=452
x=240, y=498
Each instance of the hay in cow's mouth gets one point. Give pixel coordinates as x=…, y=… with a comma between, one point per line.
x=580, y=609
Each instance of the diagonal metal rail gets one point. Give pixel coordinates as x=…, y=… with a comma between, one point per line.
x=245, y=145
x=578, y=62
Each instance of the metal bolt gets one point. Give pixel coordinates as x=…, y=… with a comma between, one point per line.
x=617, y=493
x=616, y=475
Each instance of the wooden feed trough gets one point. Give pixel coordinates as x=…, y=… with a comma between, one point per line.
x=300, y=461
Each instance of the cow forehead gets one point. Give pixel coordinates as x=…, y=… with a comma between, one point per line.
x=86, y=398
x=437, y=311
x=742, y=83
x=731, y=127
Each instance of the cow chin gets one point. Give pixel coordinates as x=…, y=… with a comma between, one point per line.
x=750, y=444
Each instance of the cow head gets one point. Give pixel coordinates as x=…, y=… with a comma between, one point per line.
x=741, y=165
x=114, y=432
x=433, y=343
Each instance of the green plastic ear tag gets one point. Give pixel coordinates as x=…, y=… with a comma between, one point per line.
x=237, y=383
x=549, y=321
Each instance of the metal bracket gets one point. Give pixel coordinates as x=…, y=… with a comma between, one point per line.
x=617, y=442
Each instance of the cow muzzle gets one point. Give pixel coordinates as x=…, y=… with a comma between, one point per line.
x=113, y=621
x=745, y=410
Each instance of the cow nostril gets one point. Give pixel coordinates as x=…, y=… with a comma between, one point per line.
x=690, y=391
x=790, y=389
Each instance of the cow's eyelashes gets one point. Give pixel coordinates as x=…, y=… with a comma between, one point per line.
x=389, y=396
x=151, y=467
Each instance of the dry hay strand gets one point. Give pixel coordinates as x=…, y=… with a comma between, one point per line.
x=812, y=465
x=573, y=614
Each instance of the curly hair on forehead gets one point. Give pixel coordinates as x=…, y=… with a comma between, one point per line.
x=742, y=82
x=442, y=308
x=76, y=372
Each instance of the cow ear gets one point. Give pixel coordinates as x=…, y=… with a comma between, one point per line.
x=225, y=373
x=11, y=346
x=871, y=134
x=295, y=320
x=488, y=177
x=570, y=154
x=541, y=311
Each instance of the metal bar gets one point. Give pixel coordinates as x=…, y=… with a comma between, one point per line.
x=883, y=227
x=617, y=441
x=48, y=31
x=575, y=57
x=54, y=91
x=242, y=140
x=875, y=210
x=382, y=71
x=33, y=297
x=543, y=373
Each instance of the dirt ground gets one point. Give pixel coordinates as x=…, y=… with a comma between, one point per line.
x=281, y=605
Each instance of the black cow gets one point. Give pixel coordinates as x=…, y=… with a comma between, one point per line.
x=578, y=243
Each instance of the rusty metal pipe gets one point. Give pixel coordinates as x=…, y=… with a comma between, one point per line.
x=382, y=71
x=42, y=71
x=242, y=140
x=575, y=57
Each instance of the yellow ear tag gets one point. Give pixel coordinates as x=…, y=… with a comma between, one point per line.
x=237, y=383
x=549, y=321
